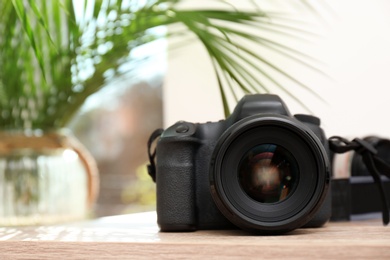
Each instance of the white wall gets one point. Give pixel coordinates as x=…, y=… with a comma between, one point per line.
x=354, y=44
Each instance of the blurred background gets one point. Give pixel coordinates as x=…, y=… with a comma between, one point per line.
x=122, y=120
x=349, y=41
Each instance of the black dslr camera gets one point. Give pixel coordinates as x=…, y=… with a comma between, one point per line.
x=261, y=169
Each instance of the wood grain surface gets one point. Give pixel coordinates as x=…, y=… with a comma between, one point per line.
x=136, y=236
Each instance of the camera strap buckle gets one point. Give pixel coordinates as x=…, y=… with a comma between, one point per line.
x=375, y=165
x=152, y=155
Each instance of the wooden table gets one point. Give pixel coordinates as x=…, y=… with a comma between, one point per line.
x=136, y=236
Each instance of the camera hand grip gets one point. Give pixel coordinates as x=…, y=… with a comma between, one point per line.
x=176, y=185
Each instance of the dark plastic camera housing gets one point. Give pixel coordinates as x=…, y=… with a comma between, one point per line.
x=197, y=186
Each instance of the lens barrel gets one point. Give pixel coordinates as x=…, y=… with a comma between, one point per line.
x=269, y=174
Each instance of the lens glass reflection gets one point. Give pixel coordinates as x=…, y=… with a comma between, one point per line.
x=268, y=173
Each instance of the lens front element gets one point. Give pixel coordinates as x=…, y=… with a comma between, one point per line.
x=268, y=173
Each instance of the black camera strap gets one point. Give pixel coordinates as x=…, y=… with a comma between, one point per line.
x=375, y=165
x=152, y=155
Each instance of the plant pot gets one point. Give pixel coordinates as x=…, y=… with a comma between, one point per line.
x=45, y=178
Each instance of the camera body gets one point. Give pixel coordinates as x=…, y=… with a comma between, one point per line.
x=208, y=174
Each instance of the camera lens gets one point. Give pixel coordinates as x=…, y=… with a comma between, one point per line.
x=268, y=173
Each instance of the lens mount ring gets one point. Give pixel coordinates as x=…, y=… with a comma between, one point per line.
x=310, y=190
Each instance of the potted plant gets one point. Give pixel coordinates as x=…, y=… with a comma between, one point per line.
x=55, y=54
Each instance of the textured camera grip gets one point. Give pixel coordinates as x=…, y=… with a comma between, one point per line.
x=176, y=185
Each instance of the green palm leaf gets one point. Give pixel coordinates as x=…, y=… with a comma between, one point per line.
x=54, y=55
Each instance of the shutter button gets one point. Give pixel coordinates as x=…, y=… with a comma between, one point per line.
x=181, y=129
